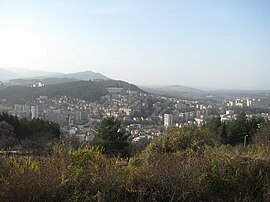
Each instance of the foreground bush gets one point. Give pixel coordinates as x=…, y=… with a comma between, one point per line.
x=28, y=178
x=84, y=174
x=193, y=172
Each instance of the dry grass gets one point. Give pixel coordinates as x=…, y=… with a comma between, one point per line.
x=85, y=174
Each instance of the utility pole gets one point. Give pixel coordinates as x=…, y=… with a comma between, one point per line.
x=245, y=140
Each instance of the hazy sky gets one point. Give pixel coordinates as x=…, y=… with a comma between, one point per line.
x=207, y=43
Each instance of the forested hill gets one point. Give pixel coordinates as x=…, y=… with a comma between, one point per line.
x=87, y=90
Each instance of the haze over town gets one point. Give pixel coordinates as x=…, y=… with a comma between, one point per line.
x=213, y=44
x=134, y=100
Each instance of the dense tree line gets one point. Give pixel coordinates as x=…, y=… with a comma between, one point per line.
x=15, y=131
x=114, y=140
x=234, y=132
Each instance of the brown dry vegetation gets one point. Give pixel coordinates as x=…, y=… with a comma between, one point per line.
x=185, y=165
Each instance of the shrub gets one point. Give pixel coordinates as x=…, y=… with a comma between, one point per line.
x=185, y=165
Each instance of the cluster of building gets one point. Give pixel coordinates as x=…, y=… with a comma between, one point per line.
x=227, y=110
x=144, y=115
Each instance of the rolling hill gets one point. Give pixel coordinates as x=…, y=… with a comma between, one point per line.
x=29, y=74
x=176, y=91
x=86, y=90
x=6, y=75
x=85, y=76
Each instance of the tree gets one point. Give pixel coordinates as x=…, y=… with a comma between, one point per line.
x=242, y=128
x=6, y=129
x=217, y=129
x=238, y=129
x=111, y=137
x=223, y=134
x=263, y=135
x=213, y=125
x=7, y=134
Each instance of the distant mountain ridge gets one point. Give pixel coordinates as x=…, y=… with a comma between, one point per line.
x=85, y=75
x=6, y=75
x=175, y=91
x=28, y=77
x=86, y=90
x=241, y=93
x=46, y=81
x=22, y=73
x=194, y=93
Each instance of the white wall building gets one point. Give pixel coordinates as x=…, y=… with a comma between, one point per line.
x=168, y=120
x=34, y=112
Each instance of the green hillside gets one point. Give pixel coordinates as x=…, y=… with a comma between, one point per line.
x=87, y=90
